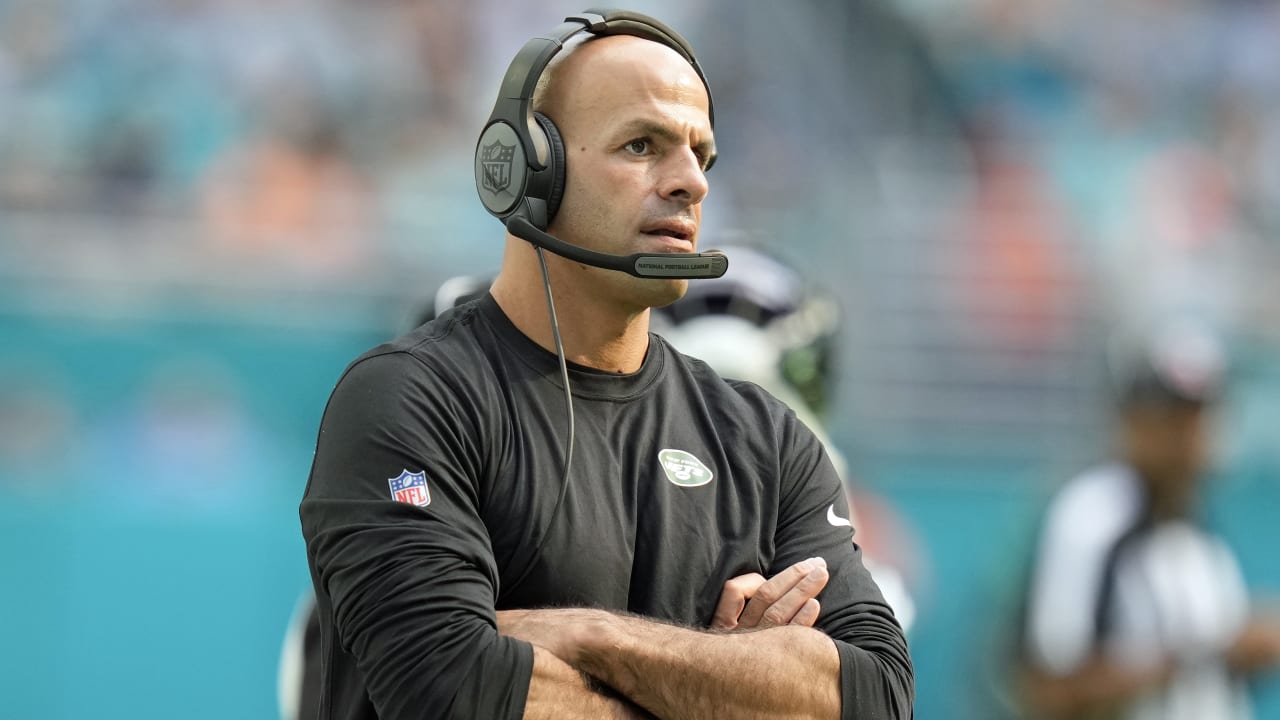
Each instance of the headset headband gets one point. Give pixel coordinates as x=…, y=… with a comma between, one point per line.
x=515, y=95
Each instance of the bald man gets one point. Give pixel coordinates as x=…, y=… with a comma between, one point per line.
x=693, y=562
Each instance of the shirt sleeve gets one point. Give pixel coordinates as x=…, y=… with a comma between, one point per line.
x=876, y=676
x=412, y=582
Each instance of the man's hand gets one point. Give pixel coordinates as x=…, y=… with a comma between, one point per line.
x=559, y=630
x=749, y=602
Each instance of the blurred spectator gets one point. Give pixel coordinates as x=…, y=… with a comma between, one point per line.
x=38, y=433
x=1021, y=282
x=1182, y=230
x=290, y=195
x=1134, y=609
x=37, y=137
x=835, y=87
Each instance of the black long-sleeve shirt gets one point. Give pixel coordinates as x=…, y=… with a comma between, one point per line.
x=437, y=498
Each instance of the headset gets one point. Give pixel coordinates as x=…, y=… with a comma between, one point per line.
x=520, y=158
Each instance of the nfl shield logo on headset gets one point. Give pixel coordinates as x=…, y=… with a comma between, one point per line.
x=410, y=488
x=496, y=159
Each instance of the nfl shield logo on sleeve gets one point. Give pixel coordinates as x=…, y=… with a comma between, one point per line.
x=410, y=488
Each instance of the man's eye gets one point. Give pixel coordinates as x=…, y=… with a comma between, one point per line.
x=638, y=147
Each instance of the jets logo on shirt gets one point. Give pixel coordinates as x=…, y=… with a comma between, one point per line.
x=683, y=469
x=410, y=488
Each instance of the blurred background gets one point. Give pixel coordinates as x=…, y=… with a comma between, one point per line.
x=209, y=207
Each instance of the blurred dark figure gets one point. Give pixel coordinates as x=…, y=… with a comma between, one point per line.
x=1134, y=609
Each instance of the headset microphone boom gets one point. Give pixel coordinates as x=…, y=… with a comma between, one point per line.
x=704, y=265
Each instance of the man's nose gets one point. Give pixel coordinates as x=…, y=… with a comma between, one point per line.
x=684, y=178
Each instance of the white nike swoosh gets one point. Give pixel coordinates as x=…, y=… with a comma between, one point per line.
x=835, y=519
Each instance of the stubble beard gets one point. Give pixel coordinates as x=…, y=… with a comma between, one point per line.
x=634, y=294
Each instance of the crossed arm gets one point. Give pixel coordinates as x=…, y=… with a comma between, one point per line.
x=761, y=659
x=558, y=691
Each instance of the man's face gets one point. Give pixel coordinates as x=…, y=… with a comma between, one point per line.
x=634, y=118
x=1171, y=443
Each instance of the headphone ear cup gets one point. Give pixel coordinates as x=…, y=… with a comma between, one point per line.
x=555, y=164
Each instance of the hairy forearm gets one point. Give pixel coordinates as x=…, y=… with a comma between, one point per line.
x=676, y=673
x=557, y=691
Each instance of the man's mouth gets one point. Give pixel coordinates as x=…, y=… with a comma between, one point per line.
x=667, y=233
x=674, y=229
